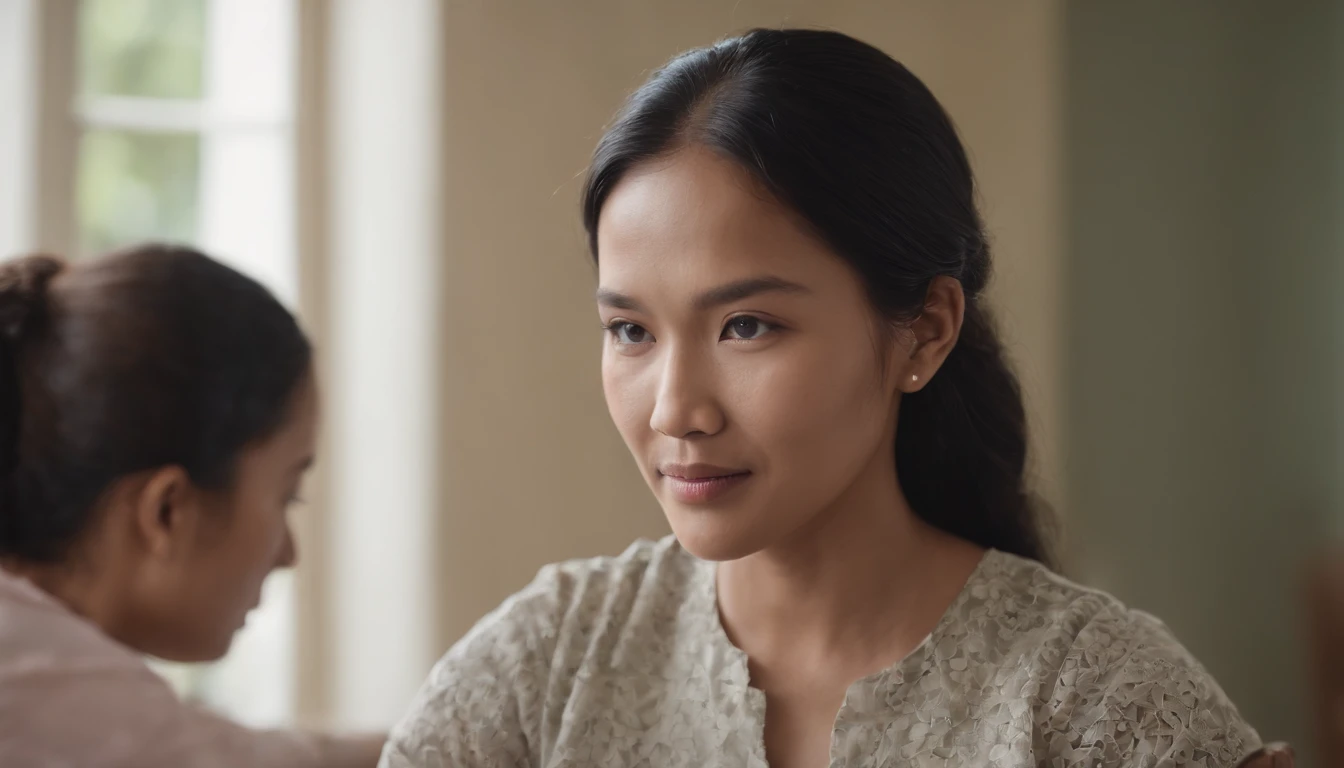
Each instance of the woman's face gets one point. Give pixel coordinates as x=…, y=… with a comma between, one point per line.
x=204, y=568
x=743, y=364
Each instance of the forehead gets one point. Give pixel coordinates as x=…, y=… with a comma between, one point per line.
x=695, y=218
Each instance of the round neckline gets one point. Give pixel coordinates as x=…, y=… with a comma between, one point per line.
x=710, y=594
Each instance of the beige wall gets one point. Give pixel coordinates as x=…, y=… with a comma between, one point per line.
x=533, y=469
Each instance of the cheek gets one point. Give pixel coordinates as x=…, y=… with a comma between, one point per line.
x=629, y=398
x=818, y=409
x=248, y=553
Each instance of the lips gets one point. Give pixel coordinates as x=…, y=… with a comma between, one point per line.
x=701, y=483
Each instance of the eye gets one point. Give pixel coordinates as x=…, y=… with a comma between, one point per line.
x=746, y=328
x=629, y=333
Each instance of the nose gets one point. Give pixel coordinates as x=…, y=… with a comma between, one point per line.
x=289, y=550
x=686, y=404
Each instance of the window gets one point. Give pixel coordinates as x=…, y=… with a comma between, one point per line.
x=184, y=115
x=139, y=109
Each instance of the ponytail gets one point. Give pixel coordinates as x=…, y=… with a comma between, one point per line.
x=961, y=446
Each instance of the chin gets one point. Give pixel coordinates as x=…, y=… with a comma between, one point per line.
x=205, y=649
x=716, y=535
x=204, y=654
x=217, y=651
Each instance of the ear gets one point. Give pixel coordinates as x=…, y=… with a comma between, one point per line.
x=933, y=334
x=166, y=513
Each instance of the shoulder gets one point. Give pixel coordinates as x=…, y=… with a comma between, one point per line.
x=569, y=602
x=1128, y=687
x=1115, y=685
x=495, y=692
x=36, y=632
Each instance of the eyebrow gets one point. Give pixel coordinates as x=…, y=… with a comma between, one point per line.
x=714, y=297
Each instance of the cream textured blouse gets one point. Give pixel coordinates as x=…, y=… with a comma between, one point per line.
x=624, y=662
x=71, y=697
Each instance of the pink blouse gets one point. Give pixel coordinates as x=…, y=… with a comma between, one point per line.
x=72, y=696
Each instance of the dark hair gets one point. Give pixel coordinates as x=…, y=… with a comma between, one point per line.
x=155, y=356
x=851, y=140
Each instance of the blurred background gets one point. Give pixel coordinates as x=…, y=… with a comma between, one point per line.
x=1162, y=182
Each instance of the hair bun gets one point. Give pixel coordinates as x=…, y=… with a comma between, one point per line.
x=23, y=291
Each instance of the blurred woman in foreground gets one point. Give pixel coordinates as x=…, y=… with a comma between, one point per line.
x=157, y=414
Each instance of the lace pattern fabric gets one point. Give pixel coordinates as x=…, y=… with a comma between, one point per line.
x=623, y=661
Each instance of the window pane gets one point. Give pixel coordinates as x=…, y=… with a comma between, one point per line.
x=151, y=48
x=136, y=186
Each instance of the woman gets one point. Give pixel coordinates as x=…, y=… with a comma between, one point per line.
x=157, y=413
x=791, y=270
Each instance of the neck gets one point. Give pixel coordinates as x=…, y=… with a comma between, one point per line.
x=866, y=580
